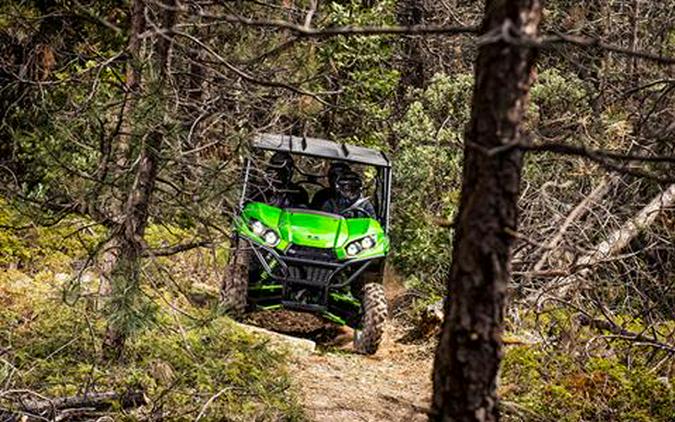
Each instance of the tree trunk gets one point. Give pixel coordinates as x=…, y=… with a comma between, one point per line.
x=125, y=274
x=593, y=65
x=409, y=13
x=127, y=245
x=122, y=146
x=195, y=108
x=132, y=82
x=469, y=353
x=165, y=41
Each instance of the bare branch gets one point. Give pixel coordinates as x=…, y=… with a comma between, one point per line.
x=245, y=76
x=310, y=13
x=623, y=334
x=306, y=32
x=560, y=38
x=607, y=159
x=550, y=41
x=584, y=151
x=616, y=241
x=172, y=250
x=578, y=212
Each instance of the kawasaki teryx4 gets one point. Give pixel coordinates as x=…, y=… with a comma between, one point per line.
x=306, y=259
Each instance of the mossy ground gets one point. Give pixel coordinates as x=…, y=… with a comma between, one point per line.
x=576, y=373
x=182, y=358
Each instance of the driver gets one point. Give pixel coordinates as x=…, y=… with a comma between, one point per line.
x=280, y=190
x=334, y=171
x=348, y=200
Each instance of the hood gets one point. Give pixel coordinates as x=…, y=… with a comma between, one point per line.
x=313, y=228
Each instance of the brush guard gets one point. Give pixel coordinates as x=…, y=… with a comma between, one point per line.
x=306, y=279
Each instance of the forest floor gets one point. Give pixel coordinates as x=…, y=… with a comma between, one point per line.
x=336, y=384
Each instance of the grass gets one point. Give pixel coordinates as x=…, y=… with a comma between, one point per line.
x=188, y=361
x=568, y=377
x=180, y=362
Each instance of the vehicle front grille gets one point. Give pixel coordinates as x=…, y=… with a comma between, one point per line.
x=312, y=273
x=306, y=252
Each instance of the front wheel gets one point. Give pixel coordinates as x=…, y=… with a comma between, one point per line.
x=235, y=284
x=368, y=337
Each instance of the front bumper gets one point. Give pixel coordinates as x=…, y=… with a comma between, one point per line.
x=307, y=279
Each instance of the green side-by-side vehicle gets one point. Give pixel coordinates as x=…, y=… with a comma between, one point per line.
x=310, y=260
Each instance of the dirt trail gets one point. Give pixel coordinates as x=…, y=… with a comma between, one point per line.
x=338, y=385
x=392, y=385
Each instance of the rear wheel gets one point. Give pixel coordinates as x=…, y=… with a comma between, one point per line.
x=368, y=337
x=235, y=283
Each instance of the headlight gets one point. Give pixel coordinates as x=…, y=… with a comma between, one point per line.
x=271, y=238
x=267, y=234
x=357, y=246
x=367, y=243
x=257, y=227
x=353, y=249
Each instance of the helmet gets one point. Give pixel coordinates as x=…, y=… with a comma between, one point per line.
x=280, y=167
x=335, y=170
x=348, y=185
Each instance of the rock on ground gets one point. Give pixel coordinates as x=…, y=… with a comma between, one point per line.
x=294, y=345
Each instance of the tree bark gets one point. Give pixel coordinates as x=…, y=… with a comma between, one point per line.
x=125, y=274
x=165, y=41
x=121, y=149
x=469, y=352
x=132, y=81
x=127, y=246
x=411, y=12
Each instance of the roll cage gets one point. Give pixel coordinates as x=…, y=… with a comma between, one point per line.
x=331, y=151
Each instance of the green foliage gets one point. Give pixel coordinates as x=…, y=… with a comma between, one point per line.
x=179, y=362
x=162, y=235
x=199, y=265
x=57, y=127
x=28, y=245
x=358, y=67
x=56, y=146
x=557, y=386
x=575, y=375
x=558, y=97
x=427, y=179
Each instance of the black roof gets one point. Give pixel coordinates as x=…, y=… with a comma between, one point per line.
x=321, y=148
